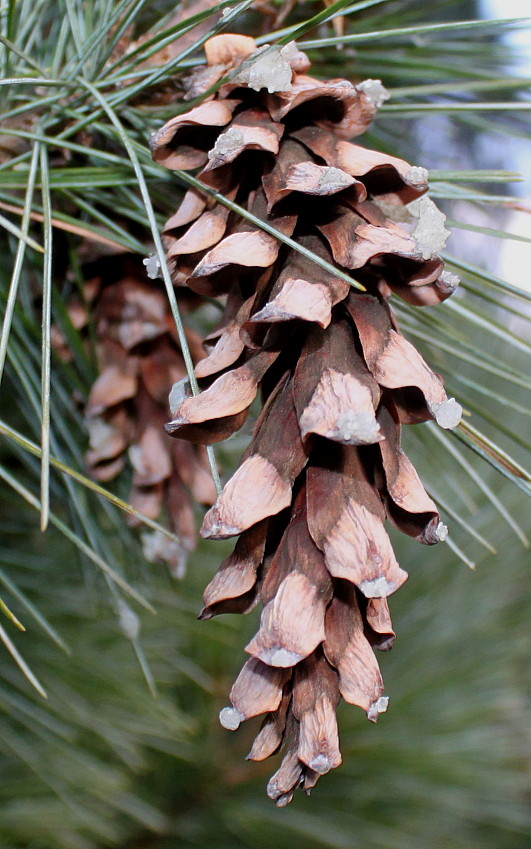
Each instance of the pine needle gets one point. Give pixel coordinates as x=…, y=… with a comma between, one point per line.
x=33, y=612
x=445, y=439
x=62, y=222
x=46, y=340
x=11, y=616
x=21, y=663
x=449, y=27
x=78, y=542
x=455, y=515
x=88, y=483
x=16, y=231
x=460, y=553
x=19, y=259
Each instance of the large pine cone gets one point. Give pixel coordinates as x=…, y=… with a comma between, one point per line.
x=324, y=468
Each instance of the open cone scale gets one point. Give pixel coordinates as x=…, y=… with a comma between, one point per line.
x=324, y=469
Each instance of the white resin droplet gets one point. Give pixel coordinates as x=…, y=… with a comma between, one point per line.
x=441, y=531
x=230, y=718
x=152, y=267
x=320, y=763
x=377, y=588
x=417, y=176
x=377, y=707
x=447, y=414
x=227, y=143
x=356, y=428
x=268, y=68
x=178, y=393
x=280, y=657
x=374, y=91
x=448, y=281
x=430, y=233
x=382, y=704
x=220, y=530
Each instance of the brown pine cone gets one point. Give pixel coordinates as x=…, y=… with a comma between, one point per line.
x=324, y=468
x=139, y=359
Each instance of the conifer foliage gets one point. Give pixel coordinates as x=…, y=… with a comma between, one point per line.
x=308, y=328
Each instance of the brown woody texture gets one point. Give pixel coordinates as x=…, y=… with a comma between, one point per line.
x=324, y=469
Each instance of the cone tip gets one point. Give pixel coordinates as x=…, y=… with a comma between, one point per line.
x=320, y=763
x=377, y=707
x=447, y=413
x=230, y=718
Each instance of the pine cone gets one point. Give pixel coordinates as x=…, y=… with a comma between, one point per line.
x=324, y=468
x=139, y=359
